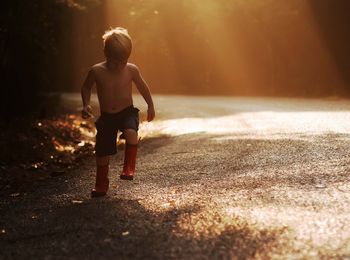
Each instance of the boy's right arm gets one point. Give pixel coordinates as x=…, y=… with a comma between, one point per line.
x=86, y=94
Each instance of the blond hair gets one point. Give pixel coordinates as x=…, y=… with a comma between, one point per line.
x=117, y=43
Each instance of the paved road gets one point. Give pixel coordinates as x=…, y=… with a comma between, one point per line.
x=217, y=178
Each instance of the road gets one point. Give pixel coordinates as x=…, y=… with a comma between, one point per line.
x=217, y=178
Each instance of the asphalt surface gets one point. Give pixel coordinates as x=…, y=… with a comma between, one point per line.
x=217, y=178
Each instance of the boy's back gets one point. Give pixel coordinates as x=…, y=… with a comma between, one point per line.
x=114, y=88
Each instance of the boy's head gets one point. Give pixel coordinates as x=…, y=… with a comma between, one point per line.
x=117, y=45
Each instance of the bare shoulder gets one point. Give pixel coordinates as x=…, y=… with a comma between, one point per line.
x=133, y=68
x=97, y=68
x=91, y=77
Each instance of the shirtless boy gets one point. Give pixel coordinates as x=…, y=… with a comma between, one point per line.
x=113, y=79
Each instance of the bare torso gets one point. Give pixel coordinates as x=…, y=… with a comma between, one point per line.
x=114, y=88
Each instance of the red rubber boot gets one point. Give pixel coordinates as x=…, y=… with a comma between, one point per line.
x=129, y=162
x=102, y=182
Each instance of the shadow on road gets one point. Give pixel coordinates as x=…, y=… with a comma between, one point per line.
x=124, y=229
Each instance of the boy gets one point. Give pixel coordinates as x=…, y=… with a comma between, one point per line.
x=113, y=79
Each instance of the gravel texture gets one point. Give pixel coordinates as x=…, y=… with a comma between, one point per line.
x=217, y=178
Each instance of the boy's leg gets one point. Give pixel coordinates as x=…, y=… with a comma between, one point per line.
x=105, y=146
x=130, y=154
x=102, y=160
x=102, y=181
x=130, y=136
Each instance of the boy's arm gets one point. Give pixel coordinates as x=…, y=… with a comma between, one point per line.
x=86, y=94
x=143, y=88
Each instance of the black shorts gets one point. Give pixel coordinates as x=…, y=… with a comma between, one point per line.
x=107, y=126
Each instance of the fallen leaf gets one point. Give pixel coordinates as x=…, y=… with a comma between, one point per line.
x=166, y=205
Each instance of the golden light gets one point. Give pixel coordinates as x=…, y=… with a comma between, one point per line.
x=236, y=118
x=220, y=47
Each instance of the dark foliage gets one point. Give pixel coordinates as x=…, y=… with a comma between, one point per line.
x=35, y=41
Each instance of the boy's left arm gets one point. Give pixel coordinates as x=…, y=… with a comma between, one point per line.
x=143, y=88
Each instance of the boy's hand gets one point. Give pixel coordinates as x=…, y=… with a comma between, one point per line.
x=150, y=114
x=86, y=113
